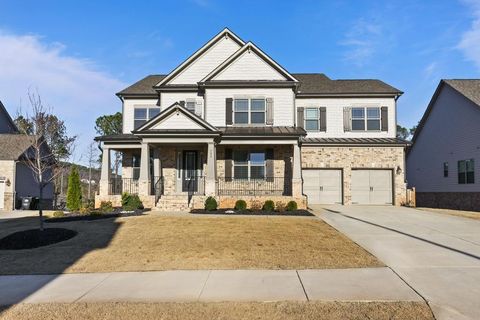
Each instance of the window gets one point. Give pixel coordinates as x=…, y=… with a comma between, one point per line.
x=466, y=171
x=445, y=169
x=136, y=166
x=311, y=119
x=142, y=115
x=190, y=105
x=248, y=165
x=249, y=111
x=366, y=119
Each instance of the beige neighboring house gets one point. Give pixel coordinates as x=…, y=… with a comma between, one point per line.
x=16, y=178
x=232, y=123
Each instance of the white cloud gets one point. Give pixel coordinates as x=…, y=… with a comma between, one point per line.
x=470, y=40
x=75, y=88
x=362, y=41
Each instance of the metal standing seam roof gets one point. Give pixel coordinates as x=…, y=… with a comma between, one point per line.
x=262, y=131
x=355, y=141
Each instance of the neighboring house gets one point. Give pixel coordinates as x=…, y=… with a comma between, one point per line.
x=16, y=178
x=231, y=122
x=444, y=160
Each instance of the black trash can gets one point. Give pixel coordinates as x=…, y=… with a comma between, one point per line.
x=26, y=203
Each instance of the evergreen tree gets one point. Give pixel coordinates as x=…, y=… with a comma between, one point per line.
x=74, y=192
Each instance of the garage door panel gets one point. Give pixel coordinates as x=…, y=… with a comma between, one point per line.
x=322, y=186
x=371, y=186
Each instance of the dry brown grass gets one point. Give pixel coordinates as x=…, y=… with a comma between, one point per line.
x=459, y=213
x=166, y=243
x=224, y=310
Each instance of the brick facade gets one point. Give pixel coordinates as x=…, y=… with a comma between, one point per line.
x=348, y=158
x=449, y=200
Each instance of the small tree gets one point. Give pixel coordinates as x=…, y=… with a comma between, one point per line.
x=74, y=191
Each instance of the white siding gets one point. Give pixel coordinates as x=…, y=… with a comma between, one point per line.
x=334, y=107
x=128, y=106
x=249, y=66
x=451, y=133
x=177, y=120
x=283, y=100
x=214, y=56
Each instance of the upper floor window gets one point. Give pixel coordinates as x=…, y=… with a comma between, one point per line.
x=445, y=169
x=249, y=111
x=143, y=114
x=311, y=119
x=190, y=106
x=466, y=171
x=368, y=119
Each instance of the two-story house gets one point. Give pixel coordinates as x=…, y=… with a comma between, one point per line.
x=231, y=122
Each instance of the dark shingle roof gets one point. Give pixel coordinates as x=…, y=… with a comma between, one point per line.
x=12, y=146
x=118, y=137
x=318, y=83
x=310, y=83
x=470, y=88
x=356, y=141
x=144, y=86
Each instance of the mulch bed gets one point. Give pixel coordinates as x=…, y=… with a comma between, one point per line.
x=34, y=238
x=298, y=213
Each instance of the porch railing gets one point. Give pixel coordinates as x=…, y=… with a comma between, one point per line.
x=119, y=185
x=270, y=186
x=158, y=188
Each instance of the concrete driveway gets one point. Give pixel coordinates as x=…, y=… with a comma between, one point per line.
x=437, y=255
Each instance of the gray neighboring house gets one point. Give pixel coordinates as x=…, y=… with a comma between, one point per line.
x=16, y=178
x=443, y=163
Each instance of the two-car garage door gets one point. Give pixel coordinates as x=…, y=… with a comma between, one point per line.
x=324, y=186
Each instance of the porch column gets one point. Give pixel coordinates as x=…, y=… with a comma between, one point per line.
x=297, y=188
x=157, y=171
x=144, y=179
x=210, y=174
x=105, y=173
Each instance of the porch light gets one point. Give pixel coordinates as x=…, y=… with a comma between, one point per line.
x=399, y=170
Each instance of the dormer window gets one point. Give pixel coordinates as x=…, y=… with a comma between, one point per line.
x=190, y=106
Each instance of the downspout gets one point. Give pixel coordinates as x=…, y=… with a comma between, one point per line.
x=14, y=184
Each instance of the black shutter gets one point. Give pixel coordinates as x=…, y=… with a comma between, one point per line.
x=300, y=118
x=228, y=111
x=384, y=118
x=269, y=164
x=228, y=165
x=323, y=119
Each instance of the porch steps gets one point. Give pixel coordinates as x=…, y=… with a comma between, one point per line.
x=173, y=203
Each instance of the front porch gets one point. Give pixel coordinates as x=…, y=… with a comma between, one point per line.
x=181, y=175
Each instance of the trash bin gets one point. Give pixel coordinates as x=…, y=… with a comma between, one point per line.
x=26, y=203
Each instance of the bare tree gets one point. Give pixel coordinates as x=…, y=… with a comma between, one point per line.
x=43, y=159
x=92, y=160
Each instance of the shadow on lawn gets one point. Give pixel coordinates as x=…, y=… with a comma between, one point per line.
x=18, y=266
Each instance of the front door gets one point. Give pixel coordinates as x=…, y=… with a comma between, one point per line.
x=189, y=179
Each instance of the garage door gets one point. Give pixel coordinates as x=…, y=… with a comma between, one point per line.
x=322, y=186
x=371, y=186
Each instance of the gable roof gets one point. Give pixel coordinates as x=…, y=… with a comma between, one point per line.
x=9, y=118
x=199, y=52
x=320, y=84
x=469, y=88
x=248, y=46
x=14, y=145
x=168, y=111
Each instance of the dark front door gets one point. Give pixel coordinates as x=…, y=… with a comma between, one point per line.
x=189, y=180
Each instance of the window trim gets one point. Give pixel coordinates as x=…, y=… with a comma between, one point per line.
x=249, y=111
x=365, y=118
x=465, y=173
x=249, y=165
x=147, y=108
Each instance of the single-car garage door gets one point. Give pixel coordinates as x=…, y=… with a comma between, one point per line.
x=371, y=187
x=322, y=186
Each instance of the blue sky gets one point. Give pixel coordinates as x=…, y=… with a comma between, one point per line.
x=78, y=54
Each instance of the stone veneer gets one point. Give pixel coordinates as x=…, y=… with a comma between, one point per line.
x=449, y=200
x=7, y=171
x=348, y=158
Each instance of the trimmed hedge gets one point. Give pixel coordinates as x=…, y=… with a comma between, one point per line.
x=240, y=205
x=131, y=202
x=269, y=205
x=211, y=204
x=292, y=205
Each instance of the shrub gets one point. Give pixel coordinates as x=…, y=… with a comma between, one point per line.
x=269, y=205
x=89, y=204
x=58, y=214
x=256, y=205
x=240, y=205
x=280, y=206
x=105, y=207
x=211, y=204
x=292, y=205
x=84, y=210
x=131, y=202
x=74, y=191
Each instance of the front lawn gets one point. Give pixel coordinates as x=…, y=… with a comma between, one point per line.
x=223, y=310
x=153, y=242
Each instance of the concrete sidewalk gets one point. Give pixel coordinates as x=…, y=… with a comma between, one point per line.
x=362, y=284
